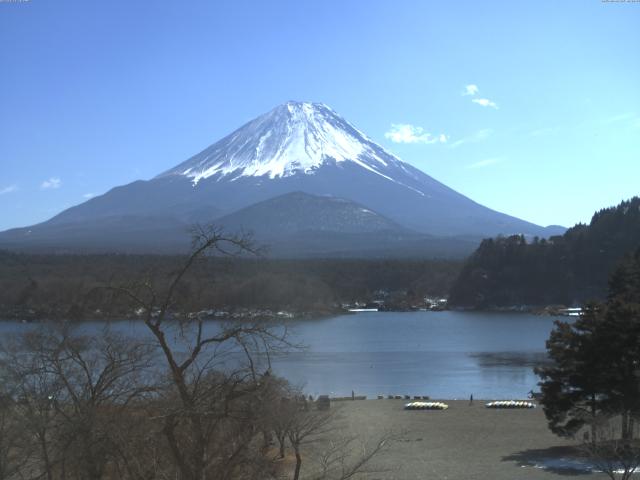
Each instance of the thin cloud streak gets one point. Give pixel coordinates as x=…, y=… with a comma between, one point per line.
x=9, y=189
x=619, y=118
x=624, y=120
x=478, y=136
x=485, y=163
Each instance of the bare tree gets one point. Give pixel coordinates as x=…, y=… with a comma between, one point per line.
x=280, y=421
x=348, y=457
x=196, y=402
x=210, y=408
x=333, y=456
x=29, y=404
x=70, y=393
x=307, y=427
x=15, y=449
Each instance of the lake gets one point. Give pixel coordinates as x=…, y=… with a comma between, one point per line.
x=440, y=354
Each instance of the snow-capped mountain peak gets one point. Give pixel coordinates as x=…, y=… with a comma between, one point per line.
x=284, y=176
x=293, y=138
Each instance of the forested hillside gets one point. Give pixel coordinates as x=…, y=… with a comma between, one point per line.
x=567, y=269
x=65, y=285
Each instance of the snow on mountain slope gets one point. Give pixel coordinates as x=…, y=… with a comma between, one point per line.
x=293, y=138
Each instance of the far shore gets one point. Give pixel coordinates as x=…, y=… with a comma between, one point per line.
x=30, y=315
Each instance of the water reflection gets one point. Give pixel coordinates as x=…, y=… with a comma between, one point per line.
x=510, y=359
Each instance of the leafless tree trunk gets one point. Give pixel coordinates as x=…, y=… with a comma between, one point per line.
x=206, y=401
x=348, y=457
x=615, y=452
x=337, y=457
x=15, y=451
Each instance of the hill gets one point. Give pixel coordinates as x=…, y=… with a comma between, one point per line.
x=567, y=269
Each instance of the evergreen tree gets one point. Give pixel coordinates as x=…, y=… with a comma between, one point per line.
x=620, y=333
x=596, y=361
x=573, y=386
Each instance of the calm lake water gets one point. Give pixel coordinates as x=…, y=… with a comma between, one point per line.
x=441, y=354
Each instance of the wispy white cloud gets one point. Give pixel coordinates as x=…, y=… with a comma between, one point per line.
x=623, y=120
x=485, y=102
x=9, y=189
x=88, y=195
x=470, y=90
x=473, y=90
x=619, y=118
x=485, y=163
x=406, y=133
x=51, y=183
x=476, y=137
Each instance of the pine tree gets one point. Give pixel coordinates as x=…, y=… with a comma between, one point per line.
x=596, y=361
x=573, y=385
x=620, y=333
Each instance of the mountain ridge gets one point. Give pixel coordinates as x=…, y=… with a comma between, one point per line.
x=295, y=147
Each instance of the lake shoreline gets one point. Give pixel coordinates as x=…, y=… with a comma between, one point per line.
x=403, y=401
x=239, y=314
x=24, y=314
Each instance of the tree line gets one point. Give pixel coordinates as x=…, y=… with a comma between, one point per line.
x=64, y=286
x=568, y=269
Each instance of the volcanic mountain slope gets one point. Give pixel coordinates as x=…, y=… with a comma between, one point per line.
x=298, y=224
x=297, y=212
x=296, y=147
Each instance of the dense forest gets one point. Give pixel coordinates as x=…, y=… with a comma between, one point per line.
x=568, y=269
x=40, y=286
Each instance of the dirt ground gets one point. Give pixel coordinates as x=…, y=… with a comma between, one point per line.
x=463, y=442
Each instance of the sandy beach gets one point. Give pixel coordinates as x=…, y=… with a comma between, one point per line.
x=463, y=442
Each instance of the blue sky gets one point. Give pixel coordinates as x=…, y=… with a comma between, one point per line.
x=530, y=108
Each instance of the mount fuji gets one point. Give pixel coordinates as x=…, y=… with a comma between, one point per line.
x=301, y=177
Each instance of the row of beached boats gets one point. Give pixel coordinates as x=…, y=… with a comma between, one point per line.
x=426, y=406
x=510, y=404
x=444, y=406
